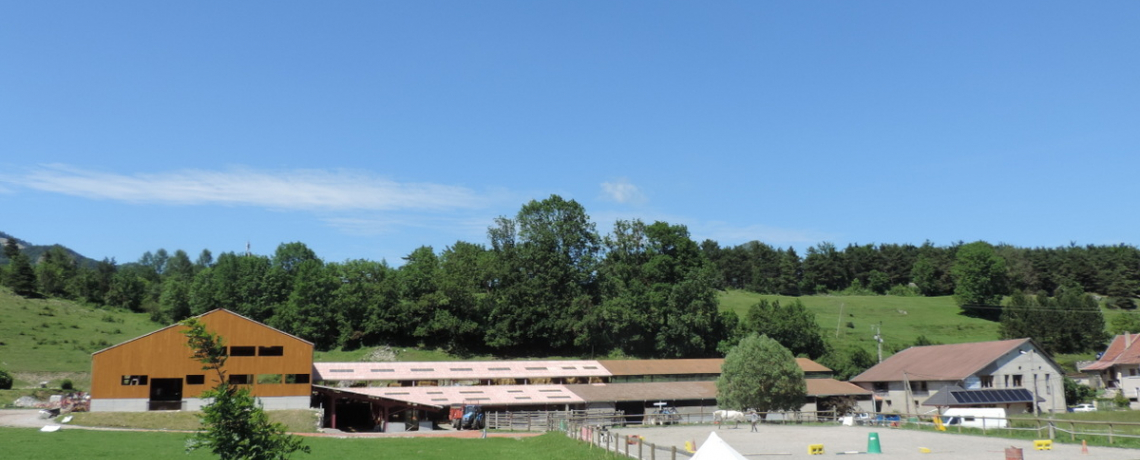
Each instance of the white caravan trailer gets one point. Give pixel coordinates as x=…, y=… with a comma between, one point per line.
x=975, y=417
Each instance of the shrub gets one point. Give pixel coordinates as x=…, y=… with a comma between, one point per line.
x=5, y=380
x=67, y=385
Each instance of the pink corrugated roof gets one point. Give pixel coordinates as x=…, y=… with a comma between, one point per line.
x=490, y=395
x=939, y=362
x=458, y=370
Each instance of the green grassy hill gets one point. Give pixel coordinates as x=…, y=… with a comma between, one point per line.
x=51, y=340
x=902, y=319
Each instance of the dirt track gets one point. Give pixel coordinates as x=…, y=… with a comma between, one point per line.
x=776, y=441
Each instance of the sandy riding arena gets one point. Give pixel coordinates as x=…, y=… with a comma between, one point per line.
x=789, y=442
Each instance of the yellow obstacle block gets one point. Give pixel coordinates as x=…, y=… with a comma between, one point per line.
x=1043, y=444
x=690, y=448
x=815, y=449
x=923, y=450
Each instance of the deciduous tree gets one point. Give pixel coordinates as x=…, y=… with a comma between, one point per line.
x=760, y=374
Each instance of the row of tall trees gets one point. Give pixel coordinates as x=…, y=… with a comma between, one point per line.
x=547, y=283
x=1112, y=271
x=548, y=280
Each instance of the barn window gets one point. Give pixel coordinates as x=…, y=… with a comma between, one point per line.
x=268, y=379
x=242, y=351
x=296, y=378
x=134, y=380
x=271, y=351
x=241, y=379
x=198, y=379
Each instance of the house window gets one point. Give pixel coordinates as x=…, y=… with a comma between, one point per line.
x=134, y=380
x=881, y=386
x=1017, y=380
x=271, y=351
x=242, y=351
x=241, y=379
x=296, y=378
x=197, y=379
x=918, y=387
x=987, y=381
x=1048, y=388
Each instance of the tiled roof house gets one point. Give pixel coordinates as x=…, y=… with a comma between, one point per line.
x=903, y=382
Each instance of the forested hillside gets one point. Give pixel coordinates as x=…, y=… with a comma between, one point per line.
x=548, y=282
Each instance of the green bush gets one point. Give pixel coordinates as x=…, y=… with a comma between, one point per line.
x=67, y=385
x=5, y=380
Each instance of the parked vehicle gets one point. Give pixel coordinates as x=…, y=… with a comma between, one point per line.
x=1084, y=408
x=467, y=417
x=975, y=417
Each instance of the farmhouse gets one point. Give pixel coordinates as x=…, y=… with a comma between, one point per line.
x=967, y=375
x=156, y=371
x=1118, y=368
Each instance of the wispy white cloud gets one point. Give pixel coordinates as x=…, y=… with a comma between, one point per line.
x=314, y=190
x=622, y=191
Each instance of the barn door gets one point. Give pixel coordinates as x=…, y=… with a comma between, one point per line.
x=165, y=394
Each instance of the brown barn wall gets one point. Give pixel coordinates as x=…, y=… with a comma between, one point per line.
x=165, y=354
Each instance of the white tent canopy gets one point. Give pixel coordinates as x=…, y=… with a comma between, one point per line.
x=715, y=448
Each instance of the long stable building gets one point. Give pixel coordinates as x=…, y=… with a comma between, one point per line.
x=372, y=395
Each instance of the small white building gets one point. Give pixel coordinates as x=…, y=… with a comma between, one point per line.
x=903, y=382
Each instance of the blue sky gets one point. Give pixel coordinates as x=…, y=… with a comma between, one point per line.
x=368, y=129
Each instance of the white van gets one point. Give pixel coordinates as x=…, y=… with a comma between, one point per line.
x=975, y=417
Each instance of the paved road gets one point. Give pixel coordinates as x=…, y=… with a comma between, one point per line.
x=23, y=418
x=789, y=442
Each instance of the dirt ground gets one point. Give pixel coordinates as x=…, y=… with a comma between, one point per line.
x=776, y=441
x=23, y=418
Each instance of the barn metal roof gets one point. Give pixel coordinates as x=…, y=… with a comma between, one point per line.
x=458, y=370
x=488, y=395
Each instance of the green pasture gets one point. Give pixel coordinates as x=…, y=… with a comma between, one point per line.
x=902, y=319
x=51, y=339
x=31, y=444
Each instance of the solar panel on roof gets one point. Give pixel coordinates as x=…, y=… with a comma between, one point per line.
x=992, y=396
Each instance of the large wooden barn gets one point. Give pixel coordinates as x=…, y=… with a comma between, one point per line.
x=156, y=371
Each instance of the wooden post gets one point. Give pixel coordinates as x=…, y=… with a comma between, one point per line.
x=653, y=452
x=627, y=445
x=673, y=456
x=1110, y=433
x=640, y=444
x=1072, y=432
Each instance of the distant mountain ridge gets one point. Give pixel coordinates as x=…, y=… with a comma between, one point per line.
x=35, y=251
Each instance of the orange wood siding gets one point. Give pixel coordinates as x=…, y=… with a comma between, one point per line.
x=165, y=354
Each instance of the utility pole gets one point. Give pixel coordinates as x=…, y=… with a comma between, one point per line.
x=879, y=339
x=906, y=386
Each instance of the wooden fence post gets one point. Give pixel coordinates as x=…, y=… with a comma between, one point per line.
x=1072, y=432
x=673, y=456
x=653, y=452
x=627, y=445
x=640, y=444
x=1110, y=433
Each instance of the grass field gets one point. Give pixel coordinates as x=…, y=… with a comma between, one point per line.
x=51, y=340
x=902, y=319
x=30, y=444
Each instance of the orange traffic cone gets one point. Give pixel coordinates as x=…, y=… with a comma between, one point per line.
x=1084, y=447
